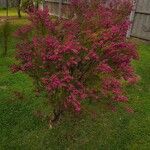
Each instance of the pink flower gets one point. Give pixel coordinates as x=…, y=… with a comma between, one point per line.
x=83, y=57
x=74, y=103
x=93, y=55
x=104, y=68
x=129, y=110
x=15, y=68
x=121, y=98
x=55, y=82
x=133, y=80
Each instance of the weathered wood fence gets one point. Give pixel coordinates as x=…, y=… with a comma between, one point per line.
x=11, y=3
x=2, y=3
x=57, y=7
x=140, y=16
x=141, y=20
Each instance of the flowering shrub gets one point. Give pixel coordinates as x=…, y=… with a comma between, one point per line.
x=86, y=56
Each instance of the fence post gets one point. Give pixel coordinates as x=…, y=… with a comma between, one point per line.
x=131, y=18
x=60, y=8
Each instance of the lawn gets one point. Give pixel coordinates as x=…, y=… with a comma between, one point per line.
x=12, y=12
x=22, y=126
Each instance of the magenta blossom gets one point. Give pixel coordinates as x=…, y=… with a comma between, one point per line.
x=84, y=57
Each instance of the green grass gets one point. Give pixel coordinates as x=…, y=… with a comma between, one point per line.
x=21, y=129
x=12, y=12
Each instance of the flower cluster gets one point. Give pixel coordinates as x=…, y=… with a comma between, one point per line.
x=86, y=56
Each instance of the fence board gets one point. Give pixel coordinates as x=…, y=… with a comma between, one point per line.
x=141, y=26
x=57, y=7
x=141, y=22
x=2, y=3
x=143, y=6
x=140, y=17
x=11, y=3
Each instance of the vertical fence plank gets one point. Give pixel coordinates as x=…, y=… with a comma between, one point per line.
x=131, y=18
x=141, y=24
x=60, y=8
x=140, y=16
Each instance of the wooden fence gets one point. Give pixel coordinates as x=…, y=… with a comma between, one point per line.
x=57, y=7
x=141, y=20
x=2, y=3
x=140, y=16
x=11, y=3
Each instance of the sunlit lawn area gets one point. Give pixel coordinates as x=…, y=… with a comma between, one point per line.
x=21, y=127
x=12, y=12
